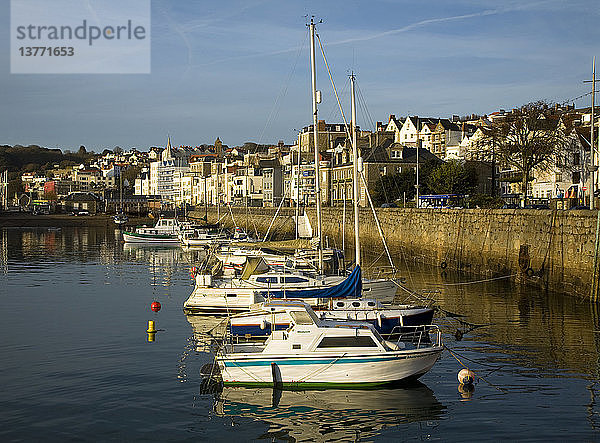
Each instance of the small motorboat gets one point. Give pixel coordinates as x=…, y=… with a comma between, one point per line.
x=327, y=353
x=165, y=231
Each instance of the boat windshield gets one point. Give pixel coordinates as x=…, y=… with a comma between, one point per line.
x=302, y=317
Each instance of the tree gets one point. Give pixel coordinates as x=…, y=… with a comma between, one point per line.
x=452, y=177
x=526, y=139
x=82, y=151
x=394, y=186
x=118, y=150
x=51, y=195
x=130, y=174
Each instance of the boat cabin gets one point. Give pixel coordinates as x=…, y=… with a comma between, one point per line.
x=310, y=334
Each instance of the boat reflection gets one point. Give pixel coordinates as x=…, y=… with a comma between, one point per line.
x=330, y=414
x=206, y=330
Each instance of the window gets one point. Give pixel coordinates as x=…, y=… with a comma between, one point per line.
x=293, y=280
x=371, y=304
x=347, y=342
x=340, y=304
x=356, y=304
x=231, y=295
x=576, y=158
x=266, y=279
x=301, y=317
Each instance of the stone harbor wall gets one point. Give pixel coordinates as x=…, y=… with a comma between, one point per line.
x=551, y=249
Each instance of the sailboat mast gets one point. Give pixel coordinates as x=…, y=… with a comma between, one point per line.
x=315, y=138
x=355, y=175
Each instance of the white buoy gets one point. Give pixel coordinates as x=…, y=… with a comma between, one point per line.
x=466, y=376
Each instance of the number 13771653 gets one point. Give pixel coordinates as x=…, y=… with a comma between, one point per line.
x=49, y=51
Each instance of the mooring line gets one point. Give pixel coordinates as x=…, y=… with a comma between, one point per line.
x=472, y=282
x=453, y=354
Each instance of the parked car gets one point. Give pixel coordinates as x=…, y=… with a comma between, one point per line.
x=510, y=206
x=83, y=213
x=579, y=207
x=389, y=205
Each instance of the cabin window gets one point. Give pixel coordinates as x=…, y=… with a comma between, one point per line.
x=371, y=303
x=301, y=318
x=231, y=295
x=293, y=280
x=296, y=346
x=266, y=279
x=356, y=304
x=352, y=341
x=340, y=304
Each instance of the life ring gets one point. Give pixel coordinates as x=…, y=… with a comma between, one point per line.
x=443, y=265
x=529, y=272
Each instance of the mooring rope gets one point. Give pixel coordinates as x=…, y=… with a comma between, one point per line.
x=453, y=354
x=472, y=282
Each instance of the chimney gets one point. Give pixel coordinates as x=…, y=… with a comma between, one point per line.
x=392, y=117
x=321, y=126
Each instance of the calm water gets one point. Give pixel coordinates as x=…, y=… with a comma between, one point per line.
x=76, y=363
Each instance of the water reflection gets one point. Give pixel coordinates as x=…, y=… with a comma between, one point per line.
x=330, y=414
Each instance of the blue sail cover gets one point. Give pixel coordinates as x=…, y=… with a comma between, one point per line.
x=351, y=287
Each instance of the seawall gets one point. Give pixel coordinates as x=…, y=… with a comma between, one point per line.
x=551, y=249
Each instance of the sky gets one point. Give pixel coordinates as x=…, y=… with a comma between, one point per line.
x=240, y=70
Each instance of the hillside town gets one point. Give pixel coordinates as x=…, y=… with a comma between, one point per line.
x=281, y=174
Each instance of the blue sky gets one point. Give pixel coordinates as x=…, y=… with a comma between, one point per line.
x=239, y=70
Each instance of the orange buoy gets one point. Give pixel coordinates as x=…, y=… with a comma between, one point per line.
x=155, y=306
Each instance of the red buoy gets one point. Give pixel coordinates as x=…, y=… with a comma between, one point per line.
x=155, y=306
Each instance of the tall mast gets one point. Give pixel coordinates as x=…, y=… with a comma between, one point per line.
x=298, y=191
x=592, y=148
x=315, y=135
x=355, y=175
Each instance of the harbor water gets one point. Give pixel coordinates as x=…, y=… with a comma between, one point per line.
x=77, y=363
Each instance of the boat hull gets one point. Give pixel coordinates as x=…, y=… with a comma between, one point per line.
x=220, y=300
x=132, y=237
x=327, y=370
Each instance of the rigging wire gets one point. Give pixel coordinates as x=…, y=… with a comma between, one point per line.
x=279, y=99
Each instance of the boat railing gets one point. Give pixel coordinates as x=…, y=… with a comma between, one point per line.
x=419, y=336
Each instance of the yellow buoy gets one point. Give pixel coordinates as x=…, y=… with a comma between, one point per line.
x=151, y=336
x=466, y=376
x=151, y=328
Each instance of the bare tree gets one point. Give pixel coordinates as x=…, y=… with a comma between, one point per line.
x=526, y=139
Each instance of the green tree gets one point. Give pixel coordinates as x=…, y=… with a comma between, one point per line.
x=50, y=195
x=130, y=174
x=526, y=139
x=392, y=187
x=452, y=177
